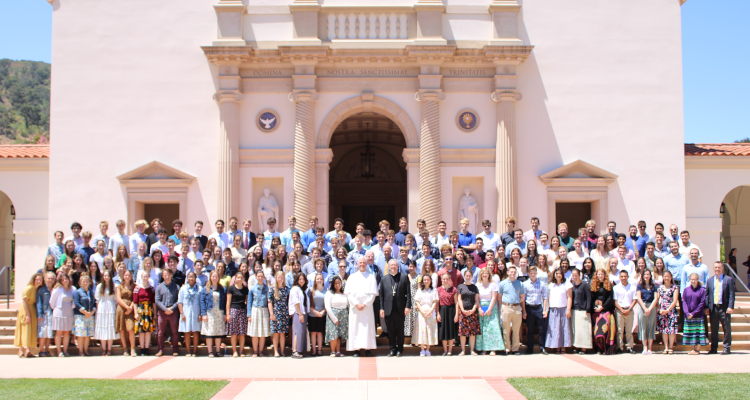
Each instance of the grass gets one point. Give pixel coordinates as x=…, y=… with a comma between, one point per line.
x=108, y=389
x=652, y=387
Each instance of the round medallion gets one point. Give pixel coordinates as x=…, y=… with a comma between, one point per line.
x=467, y=120
x=267, y=120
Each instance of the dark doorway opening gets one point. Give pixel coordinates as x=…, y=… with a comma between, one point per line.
x=164, y=211
x=573, y=214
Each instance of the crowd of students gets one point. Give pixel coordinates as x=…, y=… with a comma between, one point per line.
x=317, y=288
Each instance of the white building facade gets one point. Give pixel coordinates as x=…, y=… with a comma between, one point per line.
x=564, y=110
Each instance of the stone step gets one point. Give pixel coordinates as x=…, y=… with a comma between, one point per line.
x=8, y=321
x=8, y=313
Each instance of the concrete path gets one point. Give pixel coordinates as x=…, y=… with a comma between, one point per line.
x=363, y=378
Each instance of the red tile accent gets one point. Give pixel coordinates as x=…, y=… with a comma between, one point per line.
x=231, y=390
x=717, y=149
x=505, y=389
x=143, y=368
x=24, y=151
x=590, y=364
x=368, y=369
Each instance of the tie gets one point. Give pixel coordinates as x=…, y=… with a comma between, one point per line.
x=717, y=290
x=246, y=241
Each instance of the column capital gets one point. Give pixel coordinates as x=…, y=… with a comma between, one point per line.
x=223, y=97
x=506, y=96
x=302, y=96
x=429, y=96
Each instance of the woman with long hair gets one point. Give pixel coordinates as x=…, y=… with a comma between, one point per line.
x=531, y=252
x=337, y=312
x=658, y=273
x=278, y=307
x=468, y=321
x=26, y=320
x=611, y=248
x=427, y=302
x=316, y=321
x=602, y=296
x=62, y=303
x=237, y=314
x=258, y=316
x=600, y=254
x=122, y=254
x=290, y=275
x=410, y=321
x=613, y=271
x=448, y=310
x=95, y=272
x=560, y=311
x=143, y=303
x=238, y=253
x=542, y=266
x=515, y=258
x=588, y=268
x=44, y=314
x=213, y=309
x=50, y=264
x=189, y=304
x=69, y=251
x=85, y=308
x=491, y=338
x=429, y=268
x=125, y=314
x=106, y=309
x=281, y=253
x=159, y=262
x=299, y=306
x=646, y=295
x=667, y=321
x=580, y=321
x=270, y=258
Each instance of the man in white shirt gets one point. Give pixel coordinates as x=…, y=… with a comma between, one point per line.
x=222, y=238
x=76, y=228
x=518, y=244
x=138, y=236
x=421, y=225
x=271, y=232
x=534, y=232
x=338, y=225
x=359, y=230
x=119, y=238
x=103, y=227
x=624, y=302
x=161, y=244
x=661, y=249
x=193, y=255
x=686, y=245
x=357, y=251
x=490, y=239
x=286, y=236
x=442, y=237
x=623, y=264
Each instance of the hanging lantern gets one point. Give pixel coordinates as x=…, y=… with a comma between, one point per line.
x=368, y=157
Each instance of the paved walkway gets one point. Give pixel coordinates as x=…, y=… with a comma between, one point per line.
x=363, y=378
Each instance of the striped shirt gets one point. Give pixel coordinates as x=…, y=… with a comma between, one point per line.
x=536, y=292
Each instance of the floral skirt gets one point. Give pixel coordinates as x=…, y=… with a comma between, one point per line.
x=84, y=326
x=281, y=325
x=237, y=322
x=341, y=330
x=145, y=322
x=667, y=323
x=694, y=332
x=469, y=325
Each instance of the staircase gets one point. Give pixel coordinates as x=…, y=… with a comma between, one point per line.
x=740, y=336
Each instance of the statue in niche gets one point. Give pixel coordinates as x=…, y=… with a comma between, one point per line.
x=267, y=208
x=468, y=208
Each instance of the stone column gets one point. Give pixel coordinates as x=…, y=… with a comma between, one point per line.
x=304, y=155
x=228, y=187
x=430, y=193
x=505, y=155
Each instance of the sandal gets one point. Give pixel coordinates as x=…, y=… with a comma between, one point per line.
x=255, y=355
x=461, y=354
x=235, y=355
x=666, y=351
x=296, y=355
x=671, y=352
x=474, y=353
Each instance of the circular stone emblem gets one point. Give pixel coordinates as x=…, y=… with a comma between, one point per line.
x=267, y=120
x=467, y=120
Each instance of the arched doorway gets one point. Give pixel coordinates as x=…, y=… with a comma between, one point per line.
x=735, y=227
x=361, y=194
x=7, y=238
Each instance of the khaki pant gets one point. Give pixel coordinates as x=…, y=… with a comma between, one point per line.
x=625, y=327
x=512, y=319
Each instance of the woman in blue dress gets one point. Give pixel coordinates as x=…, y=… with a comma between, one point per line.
x=279, y=313
x=189, y=303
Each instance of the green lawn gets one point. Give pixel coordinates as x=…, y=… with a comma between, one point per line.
x=107, y=389
x=652, y=387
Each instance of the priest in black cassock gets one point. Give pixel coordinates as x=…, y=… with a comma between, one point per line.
x=395, y=304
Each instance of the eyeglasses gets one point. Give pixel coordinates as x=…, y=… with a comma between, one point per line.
x=448, y=259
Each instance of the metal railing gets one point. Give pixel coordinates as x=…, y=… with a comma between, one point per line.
x=736, y=278
x=7, y=288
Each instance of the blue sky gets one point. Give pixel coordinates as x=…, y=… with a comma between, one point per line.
x=716, y=55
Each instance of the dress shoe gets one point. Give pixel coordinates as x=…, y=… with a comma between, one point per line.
x=631, y=351
x=383, y=335
x=544, y=351
x=368, y=353
x=518, y=353
x=713, y=352
x=529, y=352
x=392, y=353
x=726, y=352
x=398, y=354
x=356, y=354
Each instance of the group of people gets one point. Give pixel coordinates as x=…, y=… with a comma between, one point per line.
x=318, y=288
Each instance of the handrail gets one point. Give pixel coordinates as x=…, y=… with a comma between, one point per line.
x=7, y=294
x=736, y=278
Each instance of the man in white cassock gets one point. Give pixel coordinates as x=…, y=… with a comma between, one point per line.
x=361, y=290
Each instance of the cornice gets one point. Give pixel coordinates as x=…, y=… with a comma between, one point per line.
x=24, y=164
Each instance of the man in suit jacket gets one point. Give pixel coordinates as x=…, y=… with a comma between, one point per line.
x=248, y=237
x=395, y=304
x=720, y=298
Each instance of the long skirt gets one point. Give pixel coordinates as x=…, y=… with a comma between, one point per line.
x=427, y=330
x=215, y=327
x=237, y=322
x=694, y=332
x=581, y=329
x=145, y=322
x=469, y=325
x=259, y=325
x=558, y=331
x=85, y=326
x=447, y=327
x=604, y=331
x=647, y=324
x=45, y=330
x=300, y=330
x=492, y=335
x=334, y=331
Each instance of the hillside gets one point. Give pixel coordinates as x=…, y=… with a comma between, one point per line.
x=24, y=101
